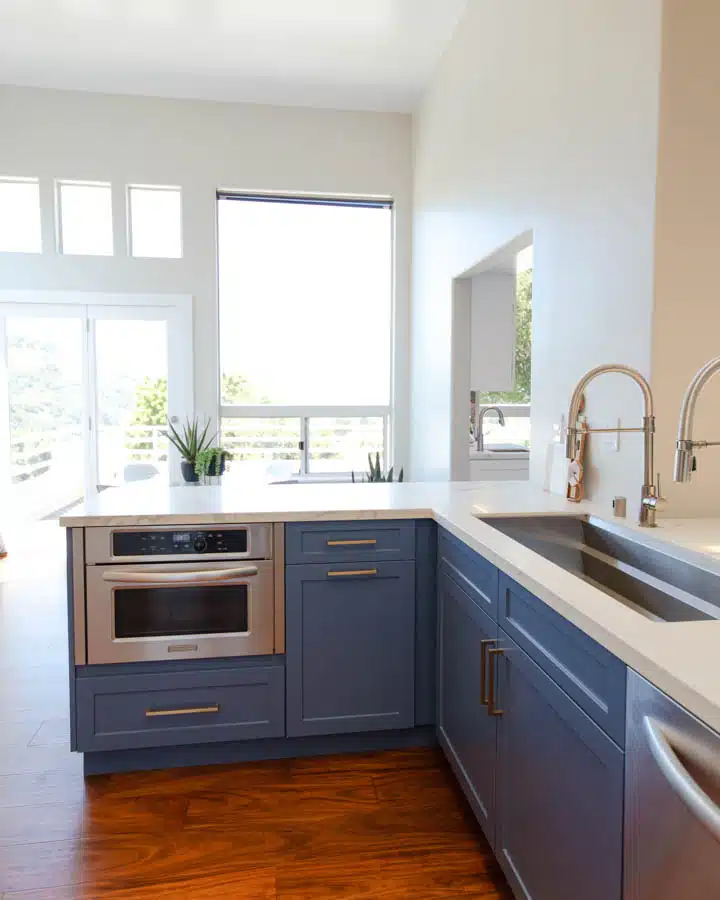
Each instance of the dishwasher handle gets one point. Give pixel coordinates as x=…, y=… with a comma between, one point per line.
x=698, y=802
x=142, y=576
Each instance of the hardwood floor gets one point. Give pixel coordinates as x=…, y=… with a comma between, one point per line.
x=386, y=826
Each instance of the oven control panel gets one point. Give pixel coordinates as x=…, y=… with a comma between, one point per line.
x=179, y=543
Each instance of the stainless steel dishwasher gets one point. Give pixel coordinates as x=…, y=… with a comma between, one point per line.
x=672, y=810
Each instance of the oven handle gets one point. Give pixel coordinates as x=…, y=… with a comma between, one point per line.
x=142, y=576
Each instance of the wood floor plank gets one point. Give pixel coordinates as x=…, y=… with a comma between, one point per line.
x=454, y=873
x=114, y=862
x=380, y=761
x=187, y=781
x=248, y=885
x=304, y=800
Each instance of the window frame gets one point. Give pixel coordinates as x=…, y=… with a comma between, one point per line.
x=312, y=411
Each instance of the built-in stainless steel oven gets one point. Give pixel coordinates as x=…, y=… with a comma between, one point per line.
x=161, y=593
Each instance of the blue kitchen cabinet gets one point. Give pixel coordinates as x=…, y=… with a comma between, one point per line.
x=350, y=651
x=559, y=789
x=467, y=733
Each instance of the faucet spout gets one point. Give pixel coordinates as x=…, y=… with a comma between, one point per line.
x=650, y=496
x=684, y=451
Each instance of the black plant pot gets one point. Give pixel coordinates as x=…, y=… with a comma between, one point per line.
x=188, y=472
x=212, y=468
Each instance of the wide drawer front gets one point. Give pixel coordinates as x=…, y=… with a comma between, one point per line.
x=590, y=674
x=475, y=575
x=128, y=711
x=331, y=542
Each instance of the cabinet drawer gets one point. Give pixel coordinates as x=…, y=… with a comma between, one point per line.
x=117, y=712
x=590, y=674
x=331, y=542
x=475, y=575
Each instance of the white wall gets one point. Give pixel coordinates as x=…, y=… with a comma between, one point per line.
x=201, y=147
x=686, y=327
x=542, y=116
x=492, y=332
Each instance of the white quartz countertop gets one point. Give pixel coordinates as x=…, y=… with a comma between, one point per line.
x=681, y=658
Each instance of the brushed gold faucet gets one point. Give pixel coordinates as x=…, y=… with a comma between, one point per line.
x=650, y=494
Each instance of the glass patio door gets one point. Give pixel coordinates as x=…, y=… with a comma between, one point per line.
x=85, y=391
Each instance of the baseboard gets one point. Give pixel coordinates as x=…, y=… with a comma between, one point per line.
x=105, y=761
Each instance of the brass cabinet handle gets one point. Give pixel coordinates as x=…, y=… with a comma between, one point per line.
x=351, y=543
x=492, y=709
x=483, y=668
x=345, y=574
x=190, y=711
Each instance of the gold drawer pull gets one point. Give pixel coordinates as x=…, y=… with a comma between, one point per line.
x=351, y=543
x=353, y=572
x=190, y=711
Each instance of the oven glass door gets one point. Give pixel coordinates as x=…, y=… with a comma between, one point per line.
x=145, y=612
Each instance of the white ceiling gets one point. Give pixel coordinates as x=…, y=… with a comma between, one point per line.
x=349, y=54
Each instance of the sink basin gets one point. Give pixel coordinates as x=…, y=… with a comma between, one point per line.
x=651, y=582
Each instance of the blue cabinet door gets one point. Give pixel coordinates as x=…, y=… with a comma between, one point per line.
x=350, y=647
x=467, y=733
x=559, y=800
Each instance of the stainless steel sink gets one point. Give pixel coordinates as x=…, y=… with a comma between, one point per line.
x=653, y=583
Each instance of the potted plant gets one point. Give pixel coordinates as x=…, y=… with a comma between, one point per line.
x=189, y=441
x=211, y=461
x=375, y=472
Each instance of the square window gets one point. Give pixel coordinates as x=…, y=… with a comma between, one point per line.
x=341, y=445
x=86, y=226
x=155, y=218
x=20, y=215
x=264, y=450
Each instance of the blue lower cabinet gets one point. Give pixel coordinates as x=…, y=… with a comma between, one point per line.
x=350, y=647
x=467, y=733
x=120, y=712
x=559, y=800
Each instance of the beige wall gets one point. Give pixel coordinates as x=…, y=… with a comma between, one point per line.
x=201, y=147
x=686, y=325
x=543, y=117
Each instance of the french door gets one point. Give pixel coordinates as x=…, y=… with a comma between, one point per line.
x=85, y=390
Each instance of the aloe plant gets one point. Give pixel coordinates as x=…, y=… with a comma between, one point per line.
x=189, y=440
x=375, y=472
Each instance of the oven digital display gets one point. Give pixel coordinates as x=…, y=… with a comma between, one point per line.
x=177, y=543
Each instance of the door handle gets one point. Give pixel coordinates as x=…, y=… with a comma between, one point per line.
x=351, y=572
x=483, y=668
x=492, y=699
x=189, y=711
x=142, y=576
x=351, y=543
x=693, y=796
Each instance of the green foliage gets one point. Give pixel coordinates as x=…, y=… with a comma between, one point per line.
x=375, y=473
x=189, y=441
x=237, y=390
x=209, y=461
x=151, y=398
x=523, y=347
x=150, y=402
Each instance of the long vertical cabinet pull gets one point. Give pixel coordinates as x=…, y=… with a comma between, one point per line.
x=483, y=668
x=492, y=708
